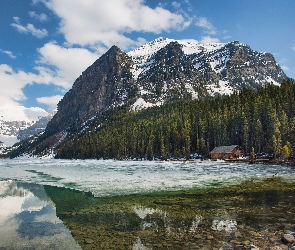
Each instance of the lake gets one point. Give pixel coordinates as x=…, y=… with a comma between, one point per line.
x=108, y=204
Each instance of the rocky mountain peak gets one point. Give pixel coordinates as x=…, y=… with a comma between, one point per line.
x=160, y=71
x=105, y=84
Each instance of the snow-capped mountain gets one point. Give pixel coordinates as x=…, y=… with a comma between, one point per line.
x=14, y=118
x=35, y=128
x=200, y=69
x=160, y=71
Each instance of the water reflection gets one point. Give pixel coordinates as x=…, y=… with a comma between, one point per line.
x=226, y=218
x=28, y=219
x=155, y=222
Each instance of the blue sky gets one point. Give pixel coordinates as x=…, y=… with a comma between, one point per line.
x=46, y=44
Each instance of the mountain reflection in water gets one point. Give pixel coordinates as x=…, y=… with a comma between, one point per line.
x=28, y=219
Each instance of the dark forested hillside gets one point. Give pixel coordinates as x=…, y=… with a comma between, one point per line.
x=262, y=119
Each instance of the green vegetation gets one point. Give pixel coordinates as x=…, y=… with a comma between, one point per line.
x=262, y=119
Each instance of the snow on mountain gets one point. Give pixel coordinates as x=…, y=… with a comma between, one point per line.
x=161, y=71
x=142, y=104
x=38, y=126
x=216, y=54
x=218, y=68
x=142, y=55
x=14, y=118
x=222, y=88
x=9, y=131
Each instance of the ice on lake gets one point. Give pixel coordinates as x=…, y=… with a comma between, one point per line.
x=111, y=177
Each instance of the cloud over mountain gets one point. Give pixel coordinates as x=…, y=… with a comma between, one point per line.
x=107, y=22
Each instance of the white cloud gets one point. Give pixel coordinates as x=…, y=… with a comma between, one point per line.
x=206, y=25
x=95, y=22
x=40, y=33
x=176, y=5
x=29, y=29
x=40, y=17
x=188, y=5
x=64, y=65
x=34, y=2
x=57, y=65
x=227, y=37
x=293, y=48
x=283, y=60
x=11, y=84
x=179, y=10
x=9, y=53
x=285, y=68
x=50, y=101
x=209, y=39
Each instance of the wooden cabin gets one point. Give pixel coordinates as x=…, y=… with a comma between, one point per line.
x=226, y=152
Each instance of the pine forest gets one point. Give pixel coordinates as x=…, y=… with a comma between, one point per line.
x=261, y=120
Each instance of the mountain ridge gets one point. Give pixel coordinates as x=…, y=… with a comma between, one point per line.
x=160, y=71
x=15, y=118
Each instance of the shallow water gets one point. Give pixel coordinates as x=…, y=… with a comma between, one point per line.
x=233, y=217
x=126, y=205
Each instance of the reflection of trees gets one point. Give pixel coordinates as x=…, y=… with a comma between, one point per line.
x=32, y=229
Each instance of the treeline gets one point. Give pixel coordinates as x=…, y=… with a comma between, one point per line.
x=262, y=119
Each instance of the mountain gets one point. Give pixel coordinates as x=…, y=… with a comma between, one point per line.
x=163, y=70
x=257, y=120
x=20, y=113
x=35, y=128
x=107, y=83
x=14, y=118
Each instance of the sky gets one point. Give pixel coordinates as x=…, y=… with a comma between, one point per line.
x=46, y=44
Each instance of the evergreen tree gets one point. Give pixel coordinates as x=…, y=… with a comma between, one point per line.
x=263, y=119
x=276, y=139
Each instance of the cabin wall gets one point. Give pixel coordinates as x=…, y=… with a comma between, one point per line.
x=225, y=156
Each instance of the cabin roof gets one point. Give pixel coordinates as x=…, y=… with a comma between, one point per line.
x=223, y=149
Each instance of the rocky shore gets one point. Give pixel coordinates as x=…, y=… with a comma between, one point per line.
x=256, y=214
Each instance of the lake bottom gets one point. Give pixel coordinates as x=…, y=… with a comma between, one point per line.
x=255, y=212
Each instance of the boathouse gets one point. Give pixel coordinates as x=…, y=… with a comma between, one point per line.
x=226, y=152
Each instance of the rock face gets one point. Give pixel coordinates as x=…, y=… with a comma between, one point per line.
x=159, y=71
x=107, y=83
x=162, y=70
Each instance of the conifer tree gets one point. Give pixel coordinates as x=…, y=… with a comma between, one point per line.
x=277, y=142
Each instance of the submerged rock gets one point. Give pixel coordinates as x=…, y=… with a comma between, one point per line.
x=252, y=247
x=288, y=238
x=226, y=246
